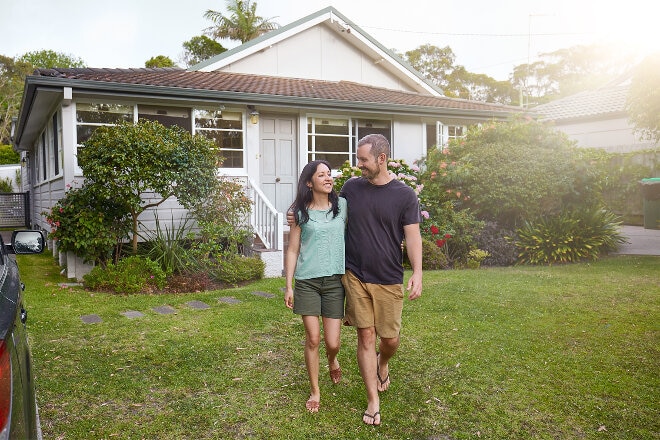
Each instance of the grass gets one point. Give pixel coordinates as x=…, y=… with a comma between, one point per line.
x=556, y=352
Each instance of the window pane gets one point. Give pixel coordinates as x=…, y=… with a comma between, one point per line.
x=331, y=126
x=103, y=113
x=84, y=132
x=218, y=120
x=225, y=139
x=232, y=159
x=168, y=116
x=431, y=136
x=336, y=160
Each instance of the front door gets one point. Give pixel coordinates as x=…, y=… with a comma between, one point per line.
x=279, y=159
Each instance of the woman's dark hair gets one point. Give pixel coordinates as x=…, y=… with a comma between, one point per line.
x=304, y=195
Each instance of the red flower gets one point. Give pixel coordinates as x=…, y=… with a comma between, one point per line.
x=440, y=243
x=434, y=230
x=447, y=236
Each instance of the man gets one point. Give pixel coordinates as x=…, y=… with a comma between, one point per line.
x=382, y=211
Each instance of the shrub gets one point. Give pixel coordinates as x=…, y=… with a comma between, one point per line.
x=168, y=246
x=497, y=242
x=433, y=257
x=87, y=224
x=133, y=274
x=569, y=237
x=475, y=257
x=6, y=186
x=234, y=269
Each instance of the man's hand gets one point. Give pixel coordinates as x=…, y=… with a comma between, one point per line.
x=290, y=219
x=415, y=286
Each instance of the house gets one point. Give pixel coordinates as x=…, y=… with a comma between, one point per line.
x=596, y=118
x=308, y=90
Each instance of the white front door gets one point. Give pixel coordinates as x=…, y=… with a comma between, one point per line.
x=279, y=158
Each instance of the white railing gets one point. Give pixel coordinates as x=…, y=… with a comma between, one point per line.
x=267, y=222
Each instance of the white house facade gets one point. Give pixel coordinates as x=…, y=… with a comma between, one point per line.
x=306, y=91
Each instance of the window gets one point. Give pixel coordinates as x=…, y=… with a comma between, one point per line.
x=226, y=130
x=364, y=127
x=444, y=133
x=329, y=139
x=91, y=116
x=167, y=116
x=56, y=146
x=43, y=155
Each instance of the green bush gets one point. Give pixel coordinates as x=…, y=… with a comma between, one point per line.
x=510, y=172
x=133, y=274
x=169, y=246
x=6, y=186
x=496, y=241
x=234, y=269
x=433, y=256
x=569, y=237
x=87, y=224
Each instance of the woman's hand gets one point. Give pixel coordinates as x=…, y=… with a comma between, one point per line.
x=288, y=298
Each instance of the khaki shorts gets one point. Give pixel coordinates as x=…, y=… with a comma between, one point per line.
x=373, y=305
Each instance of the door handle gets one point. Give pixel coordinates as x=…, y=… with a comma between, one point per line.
x=277, y=179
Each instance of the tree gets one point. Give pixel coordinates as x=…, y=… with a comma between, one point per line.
x=200, y=48
x=159, y=61
x=644, y=98
x=8, y=156
x=47, y=59
x=12, y=80
x=139, y=166
x=568, y=71
x=437, y=65
x=242, y=23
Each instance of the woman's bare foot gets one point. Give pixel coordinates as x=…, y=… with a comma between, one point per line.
x=335, y=372
x=313, y=404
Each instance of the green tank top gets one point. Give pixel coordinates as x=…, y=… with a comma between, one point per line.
x=322, y=244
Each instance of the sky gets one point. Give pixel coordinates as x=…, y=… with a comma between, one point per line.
x=487, y=36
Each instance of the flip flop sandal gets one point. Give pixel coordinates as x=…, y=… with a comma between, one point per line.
x=372, y=417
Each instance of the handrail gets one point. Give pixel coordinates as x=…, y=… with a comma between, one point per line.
x=267, y=222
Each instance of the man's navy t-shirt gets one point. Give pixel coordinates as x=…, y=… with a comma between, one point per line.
x=376, y=217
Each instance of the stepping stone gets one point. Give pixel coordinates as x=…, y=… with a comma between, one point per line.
x=91, y=319
x=199, y=305
x=229, y=300
x=132, y=314
x=164, y=310
x=65, y=285
x=263, y=294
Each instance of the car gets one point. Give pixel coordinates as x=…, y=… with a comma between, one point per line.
x=18, y=405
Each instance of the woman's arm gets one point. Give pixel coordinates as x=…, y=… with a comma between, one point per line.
x=291, y=259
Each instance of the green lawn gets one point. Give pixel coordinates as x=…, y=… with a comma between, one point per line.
x=559, y=352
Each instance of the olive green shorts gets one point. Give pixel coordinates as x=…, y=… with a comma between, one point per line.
x=323, y=296
x=373, y=305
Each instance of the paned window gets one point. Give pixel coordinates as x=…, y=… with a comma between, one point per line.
x=439, y=134
x=167, y=116
x=225, y=128
x=91, y=116
x=329, y=139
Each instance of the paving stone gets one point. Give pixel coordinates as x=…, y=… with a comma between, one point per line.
x=91, y=319
x=164, y=310
x=229, y=300
x=133, y=314
x=199, y=305
x=263, y=294
x=70, y=284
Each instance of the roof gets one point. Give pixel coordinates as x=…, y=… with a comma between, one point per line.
x=605, y=101
x=46, y=87
x=255, y=87
x=344, y=28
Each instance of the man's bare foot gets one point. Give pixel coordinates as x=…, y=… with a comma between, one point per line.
x=371, y=419
x=383, y=384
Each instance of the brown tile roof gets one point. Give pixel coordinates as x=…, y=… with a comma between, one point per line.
x=591, y=103
x=269, y=85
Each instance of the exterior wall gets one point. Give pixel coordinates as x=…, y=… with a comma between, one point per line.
x=409, y=140
x=321, y=48
x=613, y=135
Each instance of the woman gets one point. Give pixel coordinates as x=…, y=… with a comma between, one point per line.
x=315, y=257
